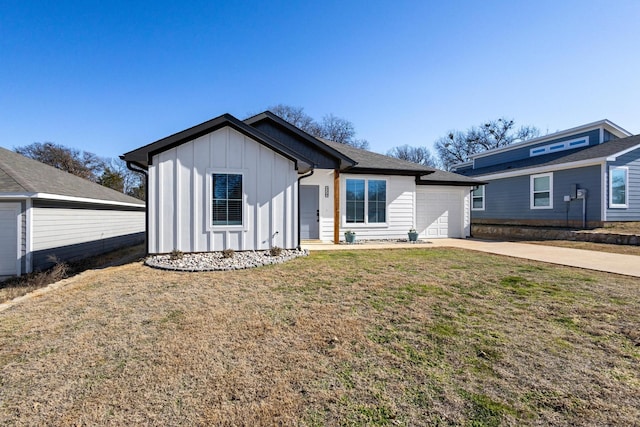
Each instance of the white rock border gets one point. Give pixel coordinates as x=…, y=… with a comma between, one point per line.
x=214, y=261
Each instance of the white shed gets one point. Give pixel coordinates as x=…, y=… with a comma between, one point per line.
x=47, y=214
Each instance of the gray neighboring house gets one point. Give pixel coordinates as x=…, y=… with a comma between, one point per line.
x=262, y=182
x=46, y=213
x=584, y=176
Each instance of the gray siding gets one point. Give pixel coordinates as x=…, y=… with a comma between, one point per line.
x=508, y=199
x=523, y=153
x=632, y=213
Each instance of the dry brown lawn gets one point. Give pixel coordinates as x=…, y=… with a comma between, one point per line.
x=388, y=337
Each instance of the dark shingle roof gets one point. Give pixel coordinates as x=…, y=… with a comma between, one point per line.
x=368, y=160
x=599, y=151
x=19, y=174
x=440, y=177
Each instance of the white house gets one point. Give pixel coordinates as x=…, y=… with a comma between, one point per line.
x=263, y=182
x=48, y=214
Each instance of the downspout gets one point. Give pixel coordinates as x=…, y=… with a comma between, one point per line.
x=136, y=168
x=300, y=179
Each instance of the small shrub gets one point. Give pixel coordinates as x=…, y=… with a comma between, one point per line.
x=275, y=251
x=176, y=254
x=228, y=253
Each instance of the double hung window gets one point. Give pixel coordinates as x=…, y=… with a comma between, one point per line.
x=618, y=183
x=226, y=203
x=477, y=199
x=542, y=191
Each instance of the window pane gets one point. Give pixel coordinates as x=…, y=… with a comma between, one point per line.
x=377, y=190
x=355, y=189
x=219, y=212
x=541, y=199
x=618, y=186
x=226, y=205
x=234, y=212
x=234, y=190
x=541, y=183
x=478, y=192
x=219, y=186
x=477, y=203
x=377, y=212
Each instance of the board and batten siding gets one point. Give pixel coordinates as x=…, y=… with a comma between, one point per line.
x=68, y=233
x=508, y=199
x=180, y=201
x=632, y=212
x=401, y=191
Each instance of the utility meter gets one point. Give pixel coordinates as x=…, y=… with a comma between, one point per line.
x=581, y=193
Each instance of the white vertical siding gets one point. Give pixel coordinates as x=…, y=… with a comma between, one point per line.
x=179, y=202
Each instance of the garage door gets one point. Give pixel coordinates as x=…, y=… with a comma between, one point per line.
x=439, y=211
x=9, y=238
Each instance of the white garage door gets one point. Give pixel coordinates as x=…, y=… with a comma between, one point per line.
x=440, y=212
x=9, y=238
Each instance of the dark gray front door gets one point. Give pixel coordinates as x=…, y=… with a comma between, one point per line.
x=309, y=214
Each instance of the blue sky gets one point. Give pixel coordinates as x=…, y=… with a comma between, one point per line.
x=109, y=76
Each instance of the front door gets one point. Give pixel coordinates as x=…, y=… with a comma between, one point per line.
x=309, y=212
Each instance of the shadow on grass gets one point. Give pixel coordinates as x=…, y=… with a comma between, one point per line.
x=19, y=286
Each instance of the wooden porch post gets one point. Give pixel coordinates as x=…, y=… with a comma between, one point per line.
x=336, y=206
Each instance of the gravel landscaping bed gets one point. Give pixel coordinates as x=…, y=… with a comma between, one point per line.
x=216, y=261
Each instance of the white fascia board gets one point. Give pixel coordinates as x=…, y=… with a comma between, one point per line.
x=541, y=169
x=615, y=156
x=611, y=127
x=615, y=129
x=47, y=196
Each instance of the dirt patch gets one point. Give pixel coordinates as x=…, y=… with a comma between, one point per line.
x=383, y=337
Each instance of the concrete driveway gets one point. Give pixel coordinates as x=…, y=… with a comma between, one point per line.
x=628, y=265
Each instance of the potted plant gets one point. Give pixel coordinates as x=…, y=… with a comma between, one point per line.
x=413, y=235
x=350, y=236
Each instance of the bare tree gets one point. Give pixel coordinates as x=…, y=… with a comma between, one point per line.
x=80, y=163
x=296, y=116
x=420, y=155
x=331, y=127
x=117, y=176
x=458, y=146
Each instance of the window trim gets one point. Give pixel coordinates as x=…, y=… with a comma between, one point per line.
x=478, y=197
x=209, y=208
x=626, y=187
x=366, y=222
x=532, y=192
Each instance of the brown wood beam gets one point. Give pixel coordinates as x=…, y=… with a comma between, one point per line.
x=336, y=206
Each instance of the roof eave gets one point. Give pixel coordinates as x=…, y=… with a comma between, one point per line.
x=345, y=161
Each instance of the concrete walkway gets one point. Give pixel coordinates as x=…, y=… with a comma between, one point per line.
x=628, y=265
